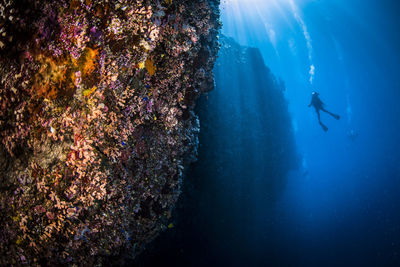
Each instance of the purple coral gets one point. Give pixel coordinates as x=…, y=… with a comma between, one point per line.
x=91, y=124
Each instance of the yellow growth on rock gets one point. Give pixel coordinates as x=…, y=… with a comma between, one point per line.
x=88, y=92
x=141, y=65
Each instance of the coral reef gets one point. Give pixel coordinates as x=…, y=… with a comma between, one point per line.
x=97, y=123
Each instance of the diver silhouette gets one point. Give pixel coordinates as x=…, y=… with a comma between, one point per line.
x=319, y=105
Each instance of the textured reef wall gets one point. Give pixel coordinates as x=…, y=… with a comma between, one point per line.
x=97, y=122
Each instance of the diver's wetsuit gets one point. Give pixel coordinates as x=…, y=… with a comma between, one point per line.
x=319, y=105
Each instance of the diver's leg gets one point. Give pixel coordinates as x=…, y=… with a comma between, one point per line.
x=330, y=113
x=320, y=122
x=319, y=115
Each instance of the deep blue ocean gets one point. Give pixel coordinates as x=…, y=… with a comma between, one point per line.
x=341, y=205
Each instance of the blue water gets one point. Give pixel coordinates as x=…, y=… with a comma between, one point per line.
x=342, y=208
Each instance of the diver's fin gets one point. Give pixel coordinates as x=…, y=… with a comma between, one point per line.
x=323, y=127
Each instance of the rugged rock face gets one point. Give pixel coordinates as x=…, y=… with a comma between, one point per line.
x=96, y=122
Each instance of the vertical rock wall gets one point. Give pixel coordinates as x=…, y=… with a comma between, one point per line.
x=96, y=122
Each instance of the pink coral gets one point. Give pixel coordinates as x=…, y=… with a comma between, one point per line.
x=92, y=124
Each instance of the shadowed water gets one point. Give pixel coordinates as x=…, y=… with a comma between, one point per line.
x=227, y=212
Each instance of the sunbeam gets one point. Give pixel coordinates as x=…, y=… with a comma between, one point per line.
x=240, y=18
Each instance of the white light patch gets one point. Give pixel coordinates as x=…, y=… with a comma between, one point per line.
x=312, y=73
x=271, y=35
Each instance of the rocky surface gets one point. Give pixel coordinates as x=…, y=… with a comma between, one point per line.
x=97, y=123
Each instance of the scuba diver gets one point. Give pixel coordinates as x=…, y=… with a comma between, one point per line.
x=319, y=105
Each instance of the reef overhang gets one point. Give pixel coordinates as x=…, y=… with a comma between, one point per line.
x=97, y=122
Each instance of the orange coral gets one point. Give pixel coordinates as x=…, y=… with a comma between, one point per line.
x=150, y=67
x=56, y=76
x=74, y=4
x=50, y=77
x=88, y=60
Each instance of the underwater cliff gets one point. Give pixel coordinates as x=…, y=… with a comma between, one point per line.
x=247, y=147
x=97, y=123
